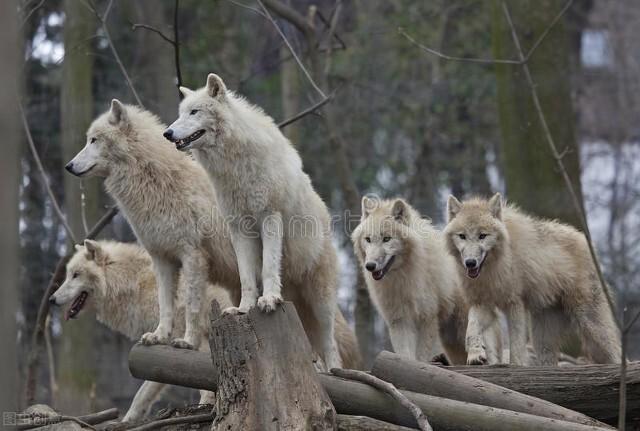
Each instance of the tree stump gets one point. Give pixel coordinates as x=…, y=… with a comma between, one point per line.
x=266, y=378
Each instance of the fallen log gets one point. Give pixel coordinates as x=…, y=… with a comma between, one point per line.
x=589, y=389
x=266, y=378
x=363, y=423
x=354, y=398
x=429, y=379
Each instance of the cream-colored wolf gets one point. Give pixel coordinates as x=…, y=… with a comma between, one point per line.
x=117, y=279
x=522, y=264
x=280, y=227
x=414, y=283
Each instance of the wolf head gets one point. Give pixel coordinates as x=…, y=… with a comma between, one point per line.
x=201, y=116
x=380, y=240
x=118, y=138
x=475, y=231
x=85, y=276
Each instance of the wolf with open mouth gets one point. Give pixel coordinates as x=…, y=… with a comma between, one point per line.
x=524, y=265
x=414, y=284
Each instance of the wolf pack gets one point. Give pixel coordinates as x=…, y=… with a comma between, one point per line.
x=222, y=209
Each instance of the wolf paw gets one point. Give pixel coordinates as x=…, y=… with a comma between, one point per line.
x=151, y=338
x=478, y=357
x=181, y=343
x=441, y=359
x=234, y=311
x=269, y=303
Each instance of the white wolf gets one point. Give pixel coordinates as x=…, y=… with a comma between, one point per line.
x=279, y=225
x=518, y=263
x=117, y=280
x=414, y=283
x=171, y=206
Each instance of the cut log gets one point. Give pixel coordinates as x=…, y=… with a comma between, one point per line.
x=266, y=377
x=363, y=423
x=354, y=398
x=589, y=389
x=429, y=379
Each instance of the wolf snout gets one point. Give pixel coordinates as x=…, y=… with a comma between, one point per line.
x=371, y=266
x=52, y=300
x=69, y=167
x=470, y=263
x=168, y=134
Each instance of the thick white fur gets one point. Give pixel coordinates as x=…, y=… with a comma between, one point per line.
x=122, y=288
x=121, y=285
x=420, y=297
x=280, y=228
x=171, y=205
x=531, y=265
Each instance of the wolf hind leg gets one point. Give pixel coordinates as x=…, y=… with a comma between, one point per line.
x=428, y=345
x=599, y=334
x=517, y=319
x=547, y=328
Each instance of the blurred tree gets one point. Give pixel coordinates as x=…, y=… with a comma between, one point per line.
x=531, y=173
x=9, y=177
x=77, y=366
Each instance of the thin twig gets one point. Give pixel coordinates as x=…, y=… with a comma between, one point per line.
x=176, y=47
x=306, y=112
x=103, y=22
x=151, y=28
x=31, y=12
x=522, y=60
x=50, y=358
x=38, y=420
x=295, y=56
x=43, y=174
x=389, y=389
x=194, y=419
x=83, y=208
x=247, y=7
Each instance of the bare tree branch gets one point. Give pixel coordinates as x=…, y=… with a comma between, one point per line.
x=151, y=28
x=522, y=60
x=296, y=19
x=157, y=424
x=387, y=388
x=306, y=112
x=43, y=174
x=247, y=7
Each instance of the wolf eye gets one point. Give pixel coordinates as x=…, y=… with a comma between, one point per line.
x=386, y=239
x=367, y=238
x=193, y=112
x=93, y=140
x=462, y=236
x=76, y=274
x=482, y=236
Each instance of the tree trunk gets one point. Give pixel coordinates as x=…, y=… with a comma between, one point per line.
x=9, y=178
x=531, y=174
x=432, y=380
x=266, y=378
x=589, y=389
x=76, y=369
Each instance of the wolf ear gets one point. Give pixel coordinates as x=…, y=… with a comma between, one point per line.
x=369, y=203
x=495, y=206
x=95, y=251
x=453, y=207
x=79, y=247
x=118, y=113
x=215, y=86
x=186, y=92
x=400, y=212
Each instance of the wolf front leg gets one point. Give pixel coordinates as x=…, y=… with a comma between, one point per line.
x=481, y=319
x=517, y=320
x=167, y=276
x=247, y=248
x=404, y=338
x=429, y=344
x=143, y=400
x=272, y=233
x=194, y=279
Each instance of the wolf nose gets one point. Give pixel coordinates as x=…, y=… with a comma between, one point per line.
x=52, y=300
x=470, y=263
x=69, y=167
x=168, y=134
x=371, y=266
